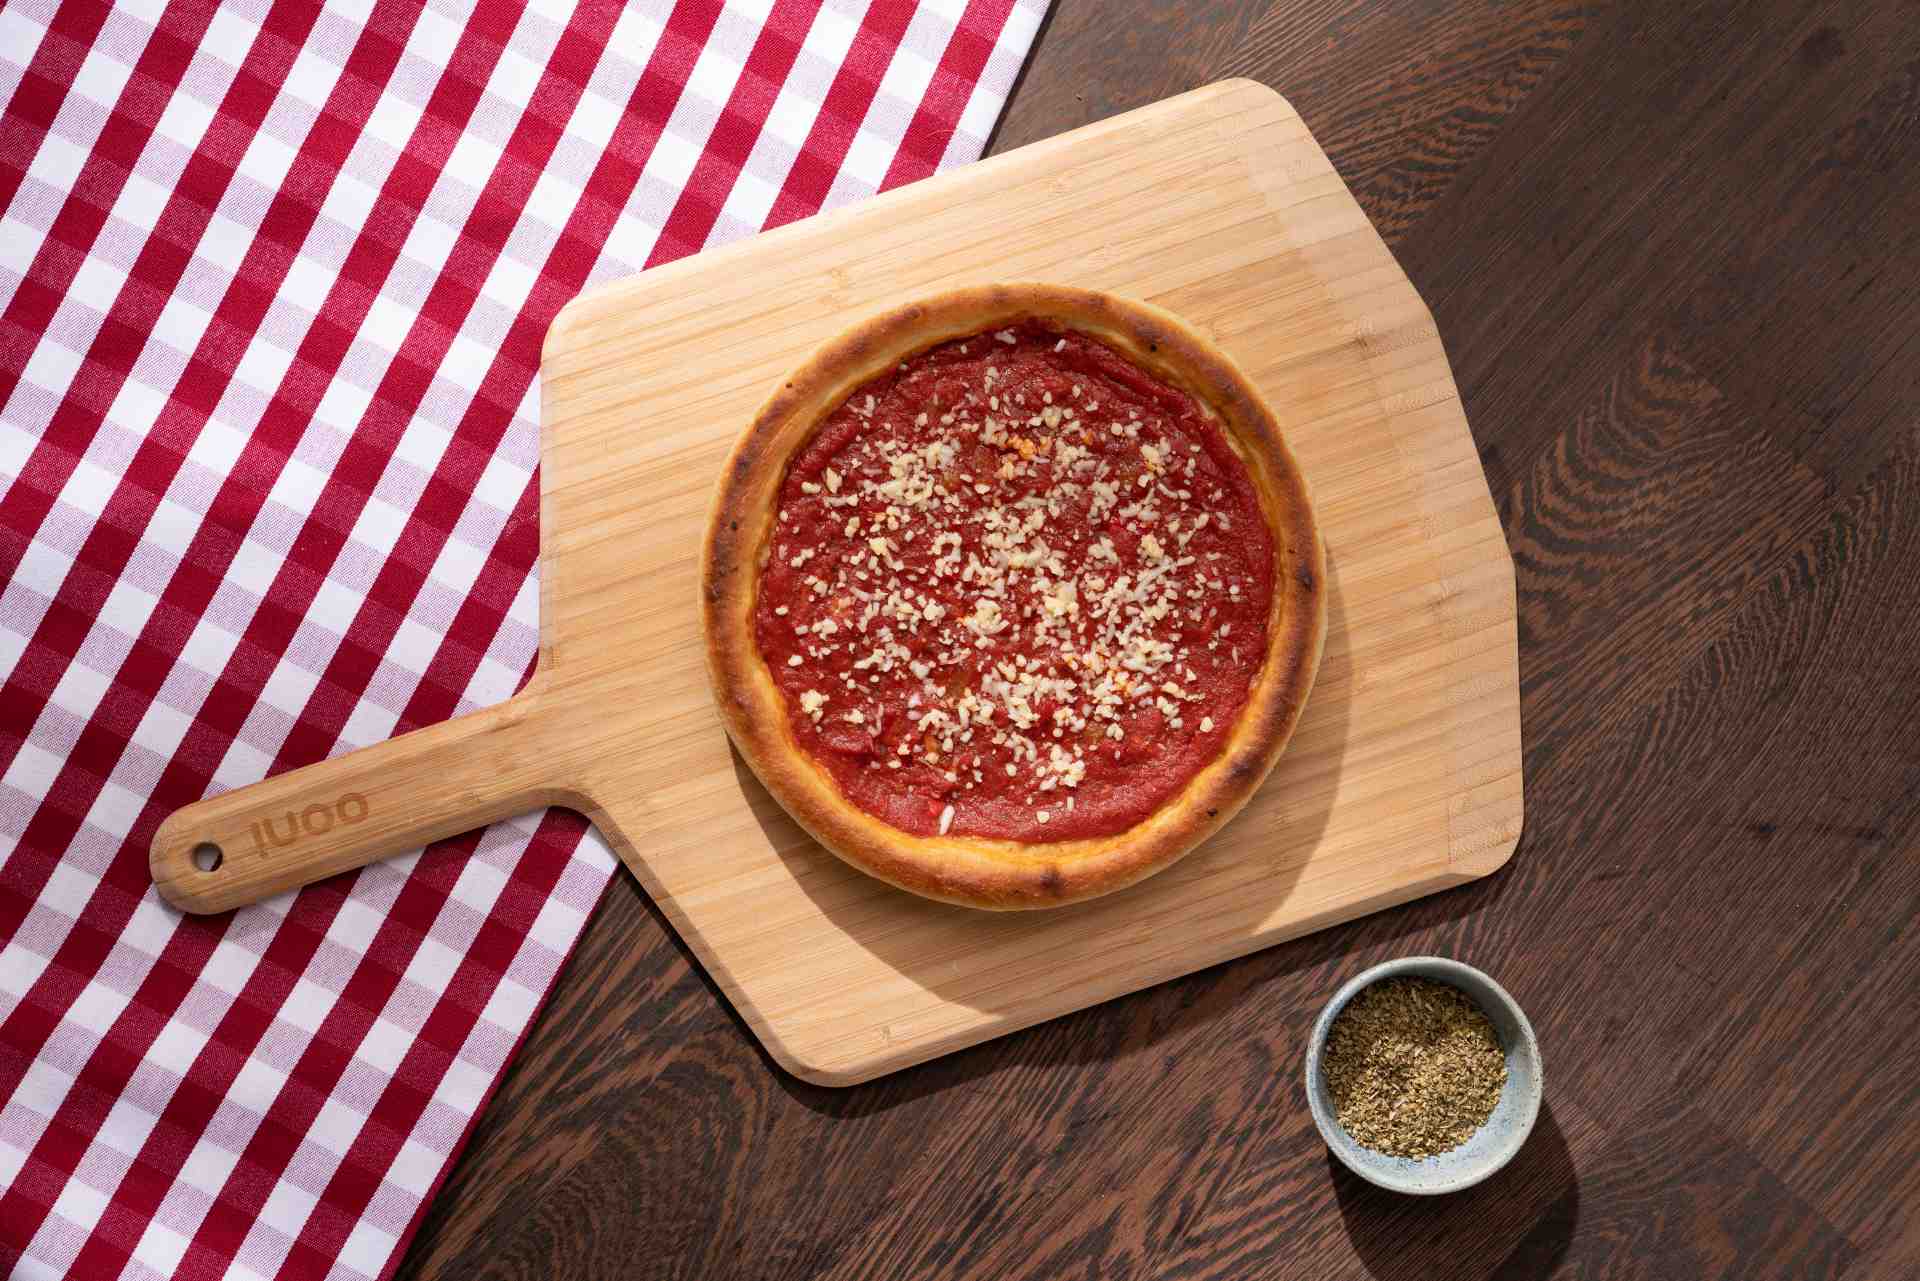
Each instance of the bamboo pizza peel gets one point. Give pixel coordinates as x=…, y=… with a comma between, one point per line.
x=1403, y=777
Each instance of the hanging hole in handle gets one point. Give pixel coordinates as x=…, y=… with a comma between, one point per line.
x=207, y=856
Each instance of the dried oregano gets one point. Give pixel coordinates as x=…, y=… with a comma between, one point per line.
x=1414, y=1067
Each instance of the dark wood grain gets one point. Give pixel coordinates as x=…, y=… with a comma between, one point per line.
x=1674, y=250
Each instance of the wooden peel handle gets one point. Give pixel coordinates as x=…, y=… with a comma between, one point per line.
x=302, y=826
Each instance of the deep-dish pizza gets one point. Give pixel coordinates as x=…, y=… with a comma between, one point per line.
x=1013, y=595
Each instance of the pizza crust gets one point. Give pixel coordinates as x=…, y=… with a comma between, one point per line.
x=978, y=871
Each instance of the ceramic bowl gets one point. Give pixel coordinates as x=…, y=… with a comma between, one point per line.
x=1494, y=1144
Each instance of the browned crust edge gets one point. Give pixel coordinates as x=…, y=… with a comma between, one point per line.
x=975, y=871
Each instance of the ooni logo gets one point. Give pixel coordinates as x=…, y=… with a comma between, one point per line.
x=315, y=820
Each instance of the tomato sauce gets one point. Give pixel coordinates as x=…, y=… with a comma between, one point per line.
x=1017, y=587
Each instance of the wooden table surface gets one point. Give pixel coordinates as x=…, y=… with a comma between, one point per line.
x=1674, y=251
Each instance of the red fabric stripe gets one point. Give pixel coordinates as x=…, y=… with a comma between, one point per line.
x=210, y=370
x=573, y=258
x=156, y=271
x=398, y=397
x=734, y=133
x=103, y=557
x=43, y=87
x=225, y=1227
x=368, y=68
x=454, y=99
x=555, y=839
x=845, y=106
x=193, y=941
x=406, y=1098
x=321, y=1064
x=953, y=80
x=411, y=1090
x=614, y=176
x=113, y=548
x=156, y=75
x=505, y=383
x=188, y=1112
x=104, y=554
x=478, y=619
x=358, y=1176
x=103, y=175
x=205, y=1084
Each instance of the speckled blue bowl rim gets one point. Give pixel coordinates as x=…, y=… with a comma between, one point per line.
x=1506, y=1130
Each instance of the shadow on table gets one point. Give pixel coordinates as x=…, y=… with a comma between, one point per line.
x=987, y=961
x=1100, y=1032
x=1127, y=1025
x=919, y=938
x=1514, y=1227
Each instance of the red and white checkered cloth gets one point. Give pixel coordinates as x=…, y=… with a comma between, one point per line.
x=273, y=283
